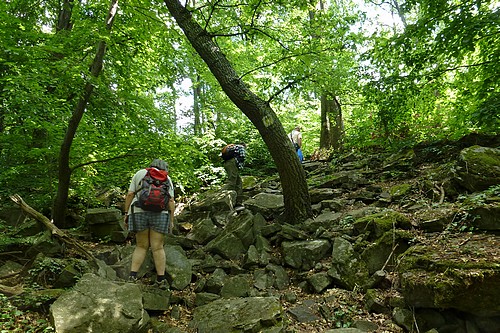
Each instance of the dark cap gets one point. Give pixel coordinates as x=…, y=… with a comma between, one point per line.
x=159, y=164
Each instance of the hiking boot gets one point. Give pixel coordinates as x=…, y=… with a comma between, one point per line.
x=132, y=279
x=163, y=284
x=239, y=208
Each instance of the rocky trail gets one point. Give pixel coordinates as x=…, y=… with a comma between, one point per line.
x=403, y=241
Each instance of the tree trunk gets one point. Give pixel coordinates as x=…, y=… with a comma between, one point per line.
x=196, y=106
x=65, y=14
x=292, y=175
x=400, y=12
x=59, y=207
x=332, y=126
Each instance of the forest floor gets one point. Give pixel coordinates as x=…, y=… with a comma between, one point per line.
x=342, y=307
x=349, y=307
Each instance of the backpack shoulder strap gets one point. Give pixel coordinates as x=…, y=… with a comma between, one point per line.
x=139, y=188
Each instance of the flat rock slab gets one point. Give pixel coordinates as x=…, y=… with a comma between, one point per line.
x=250, y=314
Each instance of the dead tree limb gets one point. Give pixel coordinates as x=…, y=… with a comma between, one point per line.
x=441, y=193
x=390, y=256
x=61, y=235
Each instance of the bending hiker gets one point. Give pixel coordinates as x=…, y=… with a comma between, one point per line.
x=296, y=138
x=234, y=160
x=150, y=207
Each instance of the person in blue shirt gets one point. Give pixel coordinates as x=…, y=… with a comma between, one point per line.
x=296, y=138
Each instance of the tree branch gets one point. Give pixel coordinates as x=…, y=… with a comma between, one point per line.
x=102, y=161
x=467, y=66
x=290, y=84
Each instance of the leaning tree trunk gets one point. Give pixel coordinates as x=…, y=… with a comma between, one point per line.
x=292, y=175
x=59, y=207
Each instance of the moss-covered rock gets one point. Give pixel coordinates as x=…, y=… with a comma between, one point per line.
x=402, y=160
x=249, y=182
x=399, y=191
x=377, y=224
x=479, y=168
x=348, y=270
x=436, y=218
x=305, y=254
x=462, y=273
x=385, y=250
x=485, y=217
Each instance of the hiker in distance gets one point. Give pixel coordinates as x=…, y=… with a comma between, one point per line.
x=234, y=160
x=150, y=207
x=296, y=138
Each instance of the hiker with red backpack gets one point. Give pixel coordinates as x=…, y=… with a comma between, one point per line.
x=150, y=207
x=234, y=160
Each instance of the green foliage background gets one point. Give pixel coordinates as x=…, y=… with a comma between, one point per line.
x=433, y=76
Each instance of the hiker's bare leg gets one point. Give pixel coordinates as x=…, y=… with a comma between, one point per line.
x=141, y=249
x=157, y=240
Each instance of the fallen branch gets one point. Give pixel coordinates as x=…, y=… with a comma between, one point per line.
x=11, y=291
x=441, y=193
x=390, y=256
x=11, y=253
x=61, y=235
x=464, y=241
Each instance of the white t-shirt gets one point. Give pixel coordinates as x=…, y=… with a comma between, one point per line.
x=135, y=185
x=295, y=136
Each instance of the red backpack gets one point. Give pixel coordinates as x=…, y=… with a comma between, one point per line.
x=228, y=152
x=154, y=191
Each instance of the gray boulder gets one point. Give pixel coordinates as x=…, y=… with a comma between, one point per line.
x=216, y=281
x=203, y=231
x=268, y=204
x=348, y=270
x=216, y=201
x=251, y=314
x=305, y=254
x=234, y=241
x=320, y=194
x=106, y=223
x=237, y=286
x=327, y=220
x=178, y=267
x=279, y=276
x=99, y=305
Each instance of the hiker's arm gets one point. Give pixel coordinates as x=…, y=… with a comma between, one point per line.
x=128, y=201
x=171, y=209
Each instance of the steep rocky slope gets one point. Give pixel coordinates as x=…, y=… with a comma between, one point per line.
x=400, y=242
